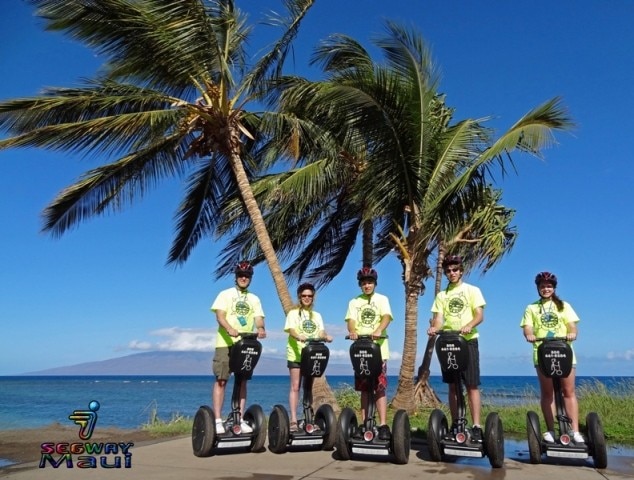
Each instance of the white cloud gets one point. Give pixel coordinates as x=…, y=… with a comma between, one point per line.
x=626, y=355
x=178, y=339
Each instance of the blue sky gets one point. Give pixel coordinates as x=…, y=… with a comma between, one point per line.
x=103, y=290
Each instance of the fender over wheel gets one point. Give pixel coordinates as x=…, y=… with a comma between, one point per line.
x=534, y=435
x=326, y=420
x=494, y=440
x=256, y=418
x=278, y=429
x=401, y=433
x=347, y=424
x=596, y=439
x=437, y=428
x=204, y=432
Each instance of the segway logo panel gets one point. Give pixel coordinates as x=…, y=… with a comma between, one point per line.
x=365, y=356
x=452, y=352
x=555, y=359
x=314, y=359
x=245, y=354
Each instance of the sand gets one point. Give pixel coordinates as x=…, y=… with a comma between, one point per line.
x=24, y=446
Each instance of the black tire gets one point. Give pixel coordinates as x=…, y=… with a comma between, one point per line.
x=596, y=440
x=327, y=421
x=401, y=433
x=534, y=438
x=494, y=440
x=204, y=432
x=437, y=428
x=255, y=417
x=346, y=424
x=278, y=429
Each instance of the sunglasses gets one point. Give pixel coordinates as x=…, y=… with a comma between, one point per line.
x=307, y=296
x=451, y=270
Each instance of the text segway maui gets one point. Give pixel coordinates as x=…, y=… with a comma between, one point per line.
x=453, y=355
x=315, y=431
x=243, y=358
x=354, y=439
x=554, y=356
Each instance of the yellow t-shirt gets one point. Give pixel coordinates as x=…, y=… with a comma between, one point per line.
x=304, y=322
x=547, y=321
x=367, y=312
x=457, y=304
x=240, y=308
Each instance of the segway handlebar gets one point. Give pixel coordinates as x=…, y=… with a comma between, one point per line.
x=367, y=337
x=248, y=335
x=551, y=339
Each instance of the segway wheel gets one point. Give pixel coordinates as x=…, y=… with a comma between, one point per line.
x=278, y=429
x=596, y=439
x=204, y=432
x=347, y=425
x=401, y=433
x=437, y=428
x=327, y=421
x=494, y=440
x=256, y=418
x=534, y=438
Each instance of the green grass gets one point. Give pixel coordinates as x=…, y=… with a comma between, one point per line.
x=615, y=408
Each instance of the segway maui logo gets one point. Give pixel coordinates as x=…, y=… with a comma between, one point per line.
x=88, y=454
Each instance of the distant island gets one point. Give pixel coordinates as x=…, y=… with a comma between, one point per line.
x=174, y=363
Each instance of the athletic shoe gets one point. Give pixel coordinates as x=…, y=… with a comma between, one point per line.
x=549, y=437
x=293, y=427
x=384, y=432
x=245, y=427
x=578, y=438
x=476, y=434
x=220, y=428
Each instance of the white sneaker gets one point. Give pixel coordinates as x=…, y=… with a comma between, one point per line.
x=245, y=427
x=578, y=438
x=220, y=428
x=549, y=437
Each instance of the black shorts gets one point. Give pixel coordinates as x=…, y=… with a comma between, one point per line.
x=470, y=376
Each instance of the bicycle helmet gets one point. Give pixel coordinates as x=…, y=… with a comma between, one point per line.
x=452, y=260
x=546, y=277
x=244, y=268
x=305, y=286
x=367, y=273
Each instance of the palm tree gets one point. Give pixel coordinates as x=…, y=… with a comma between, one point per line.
x=171, y=101
x=421, y=179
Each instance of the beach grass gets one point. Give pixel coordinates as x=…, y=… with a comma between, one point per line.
x=615, y=408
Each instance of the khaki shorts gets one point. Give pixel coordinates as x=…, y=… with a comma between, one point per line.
x=220, y=364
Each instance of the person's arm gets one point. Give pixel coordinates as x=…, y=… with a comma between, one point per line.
x=478, y=318
x=221, y=318
x=352, y=328
x=385, y=321
x=259, y=325
x=436, y=324
x=294, y=334
x=528, y=333
x=571, y=334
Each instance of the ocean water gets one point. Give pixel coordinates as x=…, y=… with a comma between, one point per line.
x=128, y=401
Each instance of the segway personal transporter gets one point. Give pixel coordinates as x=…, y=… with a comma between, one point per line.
x=453, y=355
x=315, y=431
x=554, y=357
x=244, y=356
x=363, y=440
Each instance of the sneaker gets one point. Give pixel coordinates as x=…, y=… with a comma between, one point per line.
x=245, y=427
x=293, y=427
x=578, y=438
x=220, y=428
x=549, y=437
x=476, y=434
x=384, y=432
